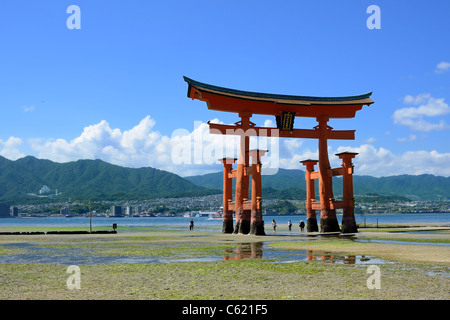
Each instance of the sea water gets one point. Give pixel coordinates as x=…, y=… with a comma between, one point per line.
x=206, y=222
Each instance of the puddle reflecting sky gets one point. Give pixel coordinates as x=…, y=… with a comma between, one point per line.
x=255, y=250
x=259, y=250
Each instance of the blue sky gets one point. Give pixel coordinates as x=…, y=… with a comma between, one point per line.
x=113, y=90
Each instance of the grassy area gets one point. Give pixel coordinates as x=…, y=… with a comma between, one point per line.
x=412, y=240
x=232, y=274
x=233, y=279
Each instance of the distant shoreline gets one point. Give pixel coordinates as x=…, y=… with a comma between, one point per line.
x=181, y=216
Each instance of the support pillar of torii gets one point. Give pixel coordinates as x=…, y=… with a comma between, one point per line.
x=248, y=213
x=227, y=212
x=256, y=220
x=347, y=203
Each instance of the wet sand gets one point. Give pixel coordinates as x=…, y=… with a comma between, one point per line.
x=162, y=264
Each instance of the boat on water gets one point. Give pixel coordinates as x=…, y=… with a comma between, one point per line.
x=219, y=214
x=204, y=214
x=197, y=214
x=216, y=215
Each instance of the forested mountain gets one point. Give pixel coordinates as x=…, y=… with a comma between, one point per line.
x=99, y=180
x=90, y=179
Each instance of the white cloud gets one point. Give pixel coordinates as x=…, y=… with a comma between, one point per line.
x=372, y=161
x=413, y=117
x=199, y=151
x=293, y=145
x=28, y=109
x=129, y=148
x=420, y=98
x=9, y=148
x=425, y=162
x=411, y=137
x=371, y=140
x=185, y=152
x=382, y=162
x=442, y=67
x=369, y=161
x=196, y=151
x=268, y=123
x=293, y=161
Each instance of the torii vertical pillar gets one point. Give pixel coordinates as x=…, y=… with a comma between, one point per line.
x=311, y=220
x=256, y=221
x=348, y=217
x=242, y=179
x=328, y=220
x=227, y=214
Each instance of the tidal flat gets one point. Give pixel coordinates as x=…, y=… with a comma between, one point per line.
x=159, y=263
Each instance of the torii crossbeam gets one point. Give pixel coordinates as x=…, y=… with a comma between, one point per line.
x=285, y=108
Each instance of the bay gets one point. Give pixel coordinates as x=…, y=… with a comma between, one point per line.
x=206, y=222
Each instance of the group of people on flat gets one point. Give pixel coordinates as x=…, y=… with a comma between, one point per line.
x=301, y=225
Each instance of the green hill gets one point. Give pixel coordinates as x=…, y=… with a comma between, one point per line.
x=90, y=179
x=285, y=178
x=286, y=184
x=99, y=180
x=414, y=187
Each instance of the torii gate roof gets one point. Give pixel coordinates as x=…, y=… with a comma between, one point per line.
x=231, y=100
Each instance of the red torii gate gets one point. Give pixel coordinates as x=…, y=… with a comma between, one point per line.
x=285, y=108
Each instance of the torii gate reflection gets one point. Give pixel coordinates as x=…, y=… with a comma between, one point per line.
x=285, y=108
